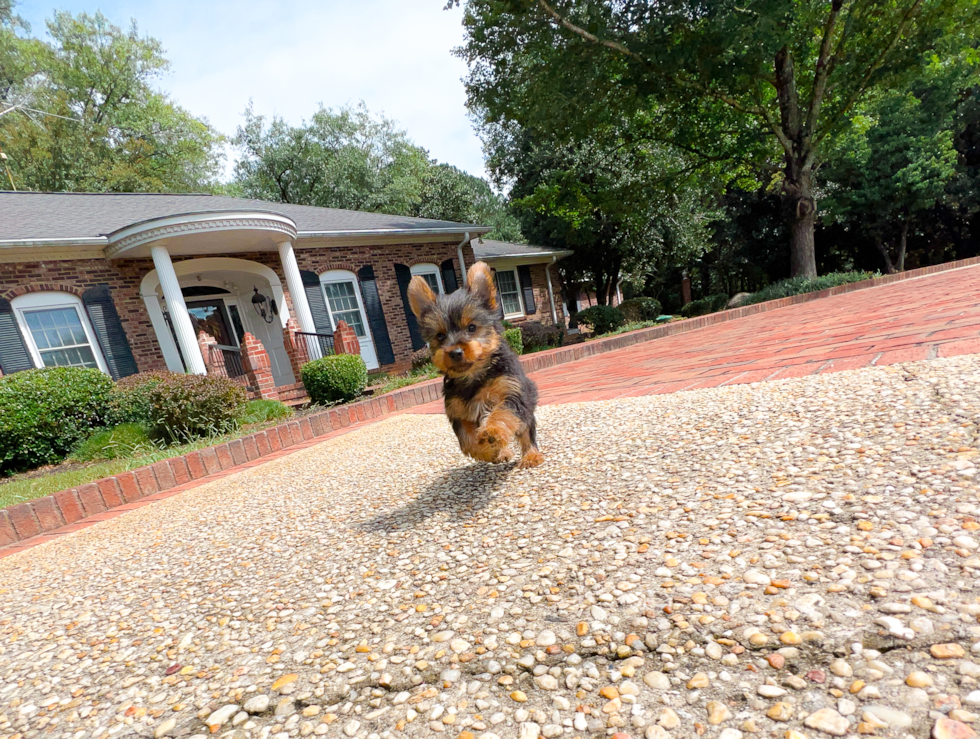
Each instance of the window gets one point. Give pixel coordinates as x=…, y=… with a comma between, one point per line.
x=510, y=294
x=430, y=273
x=57, y=331
x=342, y=301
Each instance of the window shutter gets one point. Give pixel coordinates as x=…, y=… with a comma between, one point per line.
x=318, y=303
x=449, y=277
x=14, y=356
x=109, y=331
x=524, y=273
x=375, y=314
x=404, y=276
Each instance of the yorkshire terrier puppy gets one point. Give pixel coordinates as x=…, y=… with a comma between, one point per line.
x=489, y=400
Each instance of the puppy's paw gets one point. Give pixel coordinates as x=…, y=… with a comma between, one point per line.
x=531, y=459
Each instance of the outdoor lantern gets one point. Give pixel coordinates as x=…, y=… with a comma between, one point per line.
x=259, y=301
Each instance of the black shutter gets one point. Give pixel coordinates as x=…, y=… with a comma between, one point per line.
x=375, y=314
x=449, y=277
x=109, y=331
x=318, y=304
x=524, y=273
x=404, y=276
x=14, y=356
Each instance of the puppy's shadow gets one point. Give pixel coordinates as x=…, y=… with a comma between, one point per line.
x=461, y=491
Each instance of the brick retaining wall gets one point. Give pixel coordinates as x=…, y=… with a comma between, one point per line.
x=34, y=517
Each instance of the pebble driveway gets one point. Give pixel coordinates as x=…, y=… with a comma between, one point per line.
x=795, y=558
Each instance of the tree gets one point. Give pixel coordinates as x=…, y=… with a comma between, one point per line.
x=725, y=79
x=620, y=208
x=94, y=121
x=351, y=159
x=895, y=165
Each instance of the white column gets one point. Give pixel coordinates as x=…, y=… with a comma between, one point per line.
x=178, y=310
x=294, y=281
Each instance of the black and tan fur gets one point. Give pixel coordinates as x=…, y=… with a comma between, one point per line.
x=489, y=400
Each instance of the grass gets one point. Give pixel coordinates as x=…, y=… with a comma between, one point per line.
x=627, y=327
x=428, y=372
x=800, y=285
x=123, y=448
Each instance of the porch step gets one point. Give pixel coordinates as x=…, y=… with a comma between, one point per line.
x=293, y=395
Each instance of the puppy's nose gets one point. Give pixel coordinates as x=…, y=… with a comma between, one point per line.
x=456, y=354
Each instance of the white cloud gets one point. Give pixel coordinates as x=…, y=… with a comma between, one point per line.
x=395, y=55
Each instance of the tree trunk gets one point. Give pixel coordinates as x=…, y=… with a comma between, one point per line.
x=902, y=243
x=802, y=215
x=883, y=249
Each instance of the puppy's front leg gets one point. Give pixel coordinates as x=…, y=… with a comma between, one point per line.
x=496, y=434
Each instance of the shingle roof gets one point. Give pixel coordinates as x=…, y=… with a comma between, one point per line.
x=490, y=249
x=39, y=216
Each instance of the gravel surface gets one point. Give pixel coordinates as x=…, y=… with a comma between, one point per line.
x=788, y=559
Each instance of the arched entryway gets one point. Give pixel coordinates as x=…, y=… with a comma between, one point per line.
x=218, y=294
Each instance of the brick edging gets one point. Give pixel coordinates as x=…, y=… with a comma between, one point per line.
x=35, y=517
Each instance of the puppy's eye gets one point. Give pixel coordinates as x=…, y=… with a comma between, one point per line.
x=440, y=338
x=471, y=328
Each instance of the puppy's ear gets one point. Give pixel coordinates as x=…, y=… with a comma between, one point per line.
x=421, y=299
x=479, y=281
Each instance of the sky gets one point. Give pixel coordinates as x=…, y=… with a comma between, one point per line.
x=289, y=56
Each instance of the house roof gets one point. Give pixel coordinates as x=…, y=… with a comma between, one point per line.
x=39, y=217
x=491, y=250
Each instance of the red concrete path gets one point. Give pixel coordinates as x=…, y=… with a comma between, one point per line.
x=933, y=316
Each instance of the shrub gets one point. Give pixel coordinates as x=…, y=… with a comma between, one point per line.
x=131, y=397
x=44, y=413
x=336, y=378
x=125, y=440
x=260, y=411
x=640, y=309
x=185, y=407
x=709, y=304
x=535, y=335
x=421, y=358
x=800, y=285
x=601, y=318
x=514, y=337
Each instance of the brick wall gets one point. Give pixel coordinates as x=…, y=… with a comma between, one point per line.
x=124, y=277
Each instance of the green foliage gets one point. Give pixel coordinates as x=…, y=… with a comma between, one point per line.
x=262, y=410
x=335, y=379
x=641, y=309
x=514, y=337
x=708, y=304
x=419, y=374
x=800, y=285
x=756, y=82
x=351, y=159
x=131, y=398
x=421, y=358
x=601, y=318
x=46, y=412
x=123, y=441
x=109, y=128
x=186, y=407
x=537, y=335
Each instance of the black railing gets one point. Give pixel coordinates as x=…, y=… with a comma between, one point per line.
x=232, y=358
x=317, y=345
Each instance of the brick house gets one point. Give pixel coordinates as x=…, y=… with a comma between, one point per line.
x=136, y=282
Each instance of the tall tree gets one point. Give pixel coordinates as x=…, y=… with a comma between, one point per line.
x=350, y=158
x=724, y=78
x=94, y=120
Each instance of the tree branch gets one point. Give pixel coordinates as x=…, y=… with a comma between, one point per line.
x=568, y=25
x=824, y=65
x=867, y=77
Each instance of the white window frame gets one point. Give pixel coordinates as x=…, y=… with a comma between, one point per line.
x=429, y=269
x=342, y=275
x=520, y=297
x=54, y=300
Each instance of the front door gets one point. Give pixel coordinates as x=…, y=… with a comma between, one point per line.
x=344, y=304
